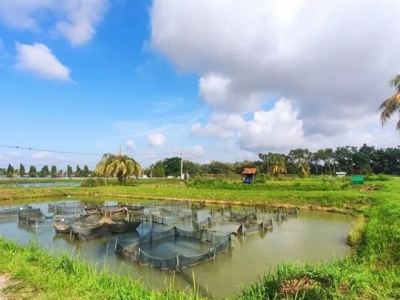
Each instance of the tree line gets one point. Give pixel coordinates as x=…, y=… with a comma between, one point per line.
x=362, y=160
x=45, y=171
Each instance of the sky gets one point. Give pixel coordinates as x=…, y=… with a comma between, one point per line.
x=214, y=80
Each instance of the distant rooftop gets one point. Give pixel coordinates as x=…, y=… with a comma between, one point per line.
x=249, y=171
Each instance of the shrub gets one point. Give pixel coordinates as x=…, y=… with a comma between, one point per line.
x=93, y=182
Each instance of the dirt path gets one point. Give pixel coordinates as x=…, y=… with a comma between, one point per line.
x=4, y=282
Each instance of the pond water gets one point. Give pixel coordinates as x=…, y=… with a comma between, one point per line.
x=308, y=237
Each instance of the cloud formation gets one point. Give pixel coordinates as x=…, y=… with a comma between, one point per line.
x=334, y=60
x=156, y=139
x=75, y=20
x=39, y=60
x=130, y=145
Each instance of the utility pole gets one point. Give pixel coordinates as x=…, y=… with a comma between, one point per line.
x=181, y=165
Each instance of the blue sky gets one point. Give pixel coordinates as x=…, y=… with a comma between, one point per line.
x=217, y=80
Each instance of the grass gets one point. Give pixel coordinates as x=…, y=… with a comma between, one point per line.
x=40, y=275
x=372, y=271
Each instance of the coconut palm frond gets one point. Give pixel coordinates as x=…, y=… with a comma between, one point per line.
x=388, y=107
x=120, y=166
x=392, y=104
x=395, y=82
x=398, y=126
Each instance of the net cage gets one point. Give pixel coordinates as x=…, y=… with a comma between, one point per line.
x=199, y=205
x=177, y=262
x=33, y=217
x=64, y=207
x=283, y=214
x=221, y=210
x=245, y=229
x=13, y=211
x=243, y=216
x=84, y=229
x=155, y=217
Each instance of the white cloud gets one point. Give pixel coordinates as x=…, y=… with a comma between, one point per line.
x=75, y=20
x=219, y=92
x=14, y=154
x=221, y=125
x=23, y=14
x=130, y=145
x=81, y=18
x=197, y=149
x=48, y=158
x=278, y=128
x=39, y=59
x=156, y=139
x=42, y=155
x=333, y=59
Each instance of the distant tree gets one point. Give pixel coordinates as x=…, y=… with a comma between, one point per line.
x=44, y=171
x=277, y=164
x=85, y=172
x=304, y=168
x=69, y=171
x=217, y=167
x=118, y=165
x=53, y=171
x=10, y=170
x=78, y=172
x=391, y=104
x=266, y=161
x=32, y=171
x=158, y=170
x=21, y=170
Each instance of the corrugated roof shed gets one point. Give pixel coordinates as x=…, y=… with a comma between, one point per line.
x=249, y=171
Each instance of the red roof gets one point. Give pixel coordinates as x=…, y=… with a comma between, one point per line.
x=249, y=171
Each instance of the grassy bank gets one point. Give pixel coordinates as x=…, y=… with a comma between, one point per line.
x=40, y=275
x=371, y=272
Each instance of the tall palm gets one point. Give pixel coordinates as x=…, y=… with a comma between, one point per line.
x=277, y=164
x=118, y=165
x=392, y=104
x=304, y=168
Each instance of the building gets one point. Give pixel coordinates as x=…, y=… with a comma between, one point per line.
x=248, y=175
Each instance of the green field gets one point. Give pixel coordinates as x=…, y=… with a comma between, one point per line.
x=371, y=272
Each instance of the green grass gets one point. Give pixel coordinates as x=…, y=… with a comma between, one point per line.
x=372, y=271
x=40, y=275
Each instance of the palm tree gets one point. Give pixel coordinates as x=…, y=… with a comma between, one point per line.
x=277, y=164
x=392, y=104
x=120, y=166
x=304, y=168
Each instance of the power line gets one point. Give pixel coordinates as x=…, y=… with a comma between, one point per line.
x=100, y=154
x=46, y=150
x=79, y=153
x=196, y=156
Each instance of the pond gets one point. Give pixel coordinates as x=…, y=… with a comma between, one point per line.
x=310, y=236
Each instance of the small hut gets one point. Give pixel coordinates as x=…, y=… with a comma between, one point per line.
x=248, y=175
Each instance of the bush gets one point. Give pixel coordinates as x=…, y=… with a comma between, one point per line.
x=380, y=177
x=93, y=182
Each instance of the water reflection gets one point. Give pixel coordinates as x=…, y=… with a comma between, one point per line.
x=309, y=237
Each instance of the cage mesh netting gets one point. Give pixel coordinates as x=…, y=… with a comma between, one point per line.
x=13, y=211
x=248, y=228
x=283, y=214
x=218, y=244
x=65, y=207
x=84, y=229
